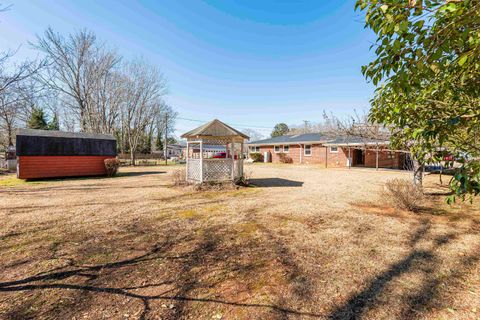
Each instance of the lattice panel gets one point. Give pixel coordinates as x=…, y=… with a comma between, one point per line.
x=217, y=169
x=238, y=169
x=193, y=170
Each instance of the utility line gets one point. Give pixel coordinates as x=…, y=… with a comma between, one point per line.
x=231, y=124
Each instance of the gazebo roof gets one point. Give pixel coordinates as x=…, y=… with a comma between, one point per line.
x=214, y=128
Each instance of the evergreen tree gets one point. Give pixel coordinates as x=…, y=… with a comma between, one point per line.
x=159, y=141
x=280, y=129
x=54, y=124
x=37, y=120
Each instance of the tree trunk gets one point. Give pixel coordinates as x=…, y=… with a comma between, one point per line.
x=10, y=134
x=417, y=173
x=132, y=157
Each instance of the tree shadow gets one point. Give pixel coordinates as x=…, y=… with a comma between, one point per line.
x=97, y=177
x=423, y=260
x=210, y=254
x=139, y=173
x=275, y=182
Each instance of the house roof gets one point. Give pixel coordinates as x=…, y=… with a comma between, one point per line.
x=215, y=128
x=176, y=147
x=322, y=138
x=354, y=140
x=293, y=139
x=62, y=134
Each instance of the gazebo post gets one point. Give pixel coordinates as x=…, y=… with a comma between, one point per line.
x=201, y=161
x=240, y=158
x=232, y=154
x=186, y=160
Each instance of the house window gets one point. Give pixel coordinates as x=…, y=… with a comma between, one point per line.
x=277, y=149
x=308, y=150
x=333, y=149
x=255, y=149
x=286, y=149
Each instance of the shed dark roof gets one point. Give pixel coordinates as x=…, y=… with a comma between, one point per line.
x=56, y=143
x=63, y=134
x=295, y=138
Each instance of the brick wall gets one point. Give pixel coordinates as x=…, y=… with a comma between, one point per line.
x=385, y=159
x=334, y=159
x=318, y=155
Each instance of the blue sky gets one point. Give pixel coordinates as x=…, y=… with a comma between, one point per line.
x=248, y=63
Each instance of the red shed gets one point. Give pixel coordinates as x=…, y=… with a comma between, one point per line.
x=47, y=154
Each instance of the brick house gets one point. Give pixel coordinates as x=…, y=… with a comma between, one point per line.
x=318, y=148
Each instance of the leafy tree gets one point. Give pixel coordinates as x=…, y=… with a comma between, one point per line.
x=144, y=144
x=54, y=124
x=37, y=120
x=427, y=73
x=280, y=129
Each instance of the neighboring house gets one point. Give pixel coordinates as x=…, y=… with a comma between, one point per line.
x=174, y=151
x=318, y=148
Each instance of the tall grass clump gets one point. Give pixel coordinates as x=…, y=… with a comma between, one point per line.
x=404, y=195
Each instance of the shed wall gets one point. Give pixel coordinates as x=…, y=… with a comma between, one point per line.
x=34, y=167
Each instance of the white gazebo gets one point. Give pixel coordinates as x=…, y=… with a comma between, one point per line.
x=225, y=164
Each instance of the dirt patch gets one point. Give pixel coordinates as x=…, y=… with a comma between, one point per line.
x=304, y=243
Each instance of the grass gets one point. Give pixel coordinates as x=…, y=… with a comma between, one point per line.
x=328, y=248
x=11, y=181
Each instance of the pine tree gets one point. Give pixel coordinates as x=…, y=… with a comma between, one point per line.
x=37, y=120
x=159, y=141
x=54, y=124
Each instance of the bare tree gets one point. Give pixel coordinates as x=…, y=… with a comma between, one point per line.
x=82, y=69
x=144, y=89
x=253, y=134
x=14, y=85
x=11, y=75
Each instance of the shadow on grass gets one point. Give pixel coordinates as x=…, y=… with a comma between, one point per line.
x=211, y=261
x=97, y=177
x=139, y=173
x=418, y=260
x=275, y=182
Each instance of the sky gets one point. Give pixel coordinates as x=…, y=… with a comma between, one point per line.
x=249, y=63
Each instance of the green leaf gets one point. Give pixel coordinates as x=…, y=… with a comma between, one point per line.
x=463, y=59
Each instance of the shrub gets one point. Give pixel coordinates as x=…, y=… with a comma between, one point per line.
x=112, y=166
x=179, y=177
x=256, y=157
x=403, y=194
x=285, y=158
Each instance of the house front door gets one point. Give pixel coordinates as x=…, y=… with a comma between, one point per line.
x=358, y=157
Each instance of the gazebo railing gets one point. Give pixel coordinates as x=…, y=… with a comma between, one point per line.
x=214, y=169
x=217, y=169
x=238, y=168
x=194, y=171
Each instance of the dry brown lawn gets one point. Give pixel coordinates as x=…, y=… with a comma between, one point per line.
x=306, y=243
